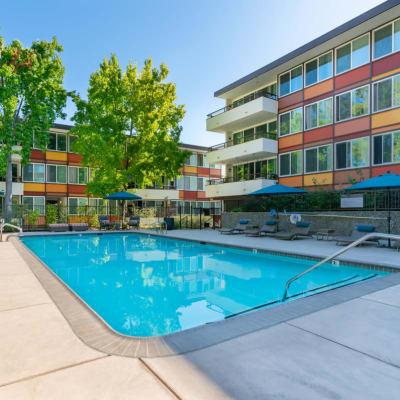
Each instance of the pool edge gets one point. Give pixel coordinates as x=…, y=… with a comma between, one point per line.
x=92, y=330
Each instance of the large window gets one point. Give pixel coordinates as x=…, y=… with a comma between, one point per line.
x=318, y=114
x=291, y=81
x=319, y=69
x=254, y=170
x=192, y=160
x=33, y=173
x=291, y=163
x=353, y=103
x=98, y=206
x=386, y=93
x=386, y=148
x=265, y=130
x=75, y=203
x=387, y=39
x=352, y=54
x=318, y=159
x=71, y=140
x=353, y=153
x=56, y=173
x=291, y=122
x=57, y=141
x=77, y=175
x=34, y=203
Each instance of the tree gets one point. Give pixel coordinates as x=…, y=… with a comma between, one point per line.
x=128, y=128
x=31, y=99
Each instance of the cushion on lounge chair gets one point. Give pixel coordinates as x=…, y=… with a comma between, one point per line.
x=269, y=222
x=244, y=221
x=365, y=228
x=302, y=224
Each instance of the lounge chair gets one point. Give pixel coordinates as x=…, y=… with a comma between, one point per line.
x=134, y=221
x=106, y=224
x=358, y=233
x=239, y=228
x=270, y=226
x=301, y=229
x=79, y=226
x=58, y=227
x=396, y=245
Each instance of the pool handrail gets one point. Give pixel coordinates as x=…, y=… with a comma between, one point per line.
x=341, y=251
x=3, y=224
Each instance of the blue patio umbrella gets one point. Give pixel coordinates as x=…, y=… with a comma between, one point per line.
x=122, y=196
x=382, y=182
x=1, y=192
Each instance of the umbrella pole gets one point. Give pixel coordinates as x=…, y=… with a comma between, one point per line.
x=389, y=219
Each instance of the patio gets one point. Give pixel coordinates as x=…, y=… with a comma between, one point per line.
x=349, y=350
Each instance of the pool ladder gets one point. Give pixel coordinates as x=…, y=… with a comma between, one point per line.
x=3, y=224
x=331, y=257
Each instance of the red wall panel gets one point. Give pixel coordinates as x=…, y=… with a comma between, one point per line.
x=318, y=134
x=76, y=189
x=393, y=169
x=290, y=100
x=189, y=195
x=37, y=155
x=386, y=64
x=74, y=157
x=353, y=76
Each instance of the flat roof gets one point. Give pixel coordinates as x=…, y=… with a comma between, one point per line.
x=373, y=12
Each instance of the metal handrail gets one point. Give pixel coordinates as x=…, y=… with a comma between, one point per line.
x=3, y=224
x=351, y=245
x=255, y=136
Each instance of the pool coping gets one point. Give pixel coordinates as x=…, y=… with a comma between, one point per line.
x=92, y=330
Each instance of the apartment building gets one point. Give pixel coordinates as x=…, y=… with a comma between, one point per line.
x=319, y=117
x=58, y=177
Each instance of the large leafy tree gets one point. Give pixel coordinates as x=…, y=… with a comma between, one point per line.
x=31, y=99
x=128, y=128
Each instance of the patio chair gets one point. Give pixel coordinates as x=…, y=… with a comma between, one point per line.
x=358, y=233
x=106, y=224
x=239, y=228
x=396, y=245
x=269, y=227
x=301, y=229
x=134, y=222
x=79, y=226
x=58, y=227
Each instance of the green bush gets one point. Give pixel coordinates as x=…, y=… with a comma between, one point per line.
x=51, y=214
x=33, y=217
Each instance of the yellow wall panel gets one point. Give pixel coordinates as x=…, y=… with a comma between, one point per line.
x=57, y=188
x=325, y=178
x=34, y=187
x=56, y=155
x=386, y=118
x=190, y=170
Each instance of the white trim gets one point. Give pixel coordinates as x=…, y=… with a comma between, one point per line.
x=289, y=72
x=290, y=163
x=34, y=163
x=317, y=147
x=351, y=53
x=373, y=40
x=373, y=94
x=288, y=112
x=57, y=135
x=351, y=103
x=318, y=80
x=318, y=126
x=57, y=165
x=351, y=153
x=77, y=166
x=391, y=133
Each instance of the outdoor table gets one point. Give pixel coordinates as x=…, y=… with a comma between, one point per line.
x=324, y=233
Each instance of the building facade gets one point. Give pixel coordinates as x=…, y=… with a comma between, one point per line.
x=319, y=117
x=58, y=177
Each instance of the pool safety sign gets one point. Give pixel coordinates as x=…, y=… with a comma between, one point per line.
x=352, y=201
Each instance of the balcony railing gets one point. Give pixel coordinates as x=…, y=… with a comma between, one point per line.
x=14, y=179
x=232, y=179
x=249, y=138
x=244, y=100
x=158, y=187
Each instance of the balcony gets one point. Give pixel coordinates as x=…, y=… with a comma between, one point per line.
x=162, y=192
x=257, y=146
x=17, y=186
x=230, y=187
x=239, y=116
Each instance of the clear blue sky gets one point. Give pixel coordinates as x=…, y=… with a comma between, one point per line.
x=206, y=44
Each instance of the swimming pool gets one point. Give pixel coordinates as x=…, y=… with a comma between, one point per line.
x=145, y=286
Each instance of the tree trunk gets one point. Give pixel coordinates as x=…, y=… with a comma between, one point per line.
x=8, y=208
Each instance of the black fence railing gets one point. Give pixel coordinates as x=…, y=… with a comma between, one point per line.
x=249, y=138
x=243, y=100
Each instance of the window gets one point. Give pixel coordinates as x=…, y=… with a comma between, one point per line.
x=180, y=183
x=56, y=173
x=97, y=206
x=77, y=175
x=57, y=142
x=33, y=173
x=291, y=122
x=318, y=159
x=74, y=203
x=71, y=140
x=254, y=170
x=193, y=183
x=352, y=104
x=319, y=69
x=34, y=203
x=387, y=93
x=14, y=170
x=192, y=160
x=200, y=184
x=353, y=153
x=291, y=81
x=318, y=114
x=386, y=148
x=353, y=54
x=291, y=163
x=265, y=130
x=387, y=39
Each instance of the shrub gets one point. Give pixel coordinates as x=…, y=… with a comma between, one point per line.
x=51, y=214
x=33, y=217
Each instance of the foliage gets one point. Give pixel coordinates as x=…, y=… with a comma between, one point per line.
x=236, y=209
x=93, y=219
x=51, y=214
x=31, y=99
x=148, y=212
x=128, y=130
x=33, y=217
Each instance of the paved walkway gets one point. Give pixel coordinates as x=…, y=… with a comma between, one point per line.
x=348, y=351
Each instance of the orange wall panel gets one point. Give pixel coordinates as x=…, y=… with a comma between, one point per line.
x=290, y=99
x=56, y=155
x=215, y=173
x=294, y=181
x=34, y=187
x=352, y=126
x=201, y=195
x=318, y=89
x=290, y=140
x=386, y=128
x=392, y=168
x=386, y=64
x=353, y=76
x=56, y=188
x=187, y=169
x=341, y=178
x=325, y=178
x=181, y=195
x=76, y=190
x=318, y=134
x=386, y=118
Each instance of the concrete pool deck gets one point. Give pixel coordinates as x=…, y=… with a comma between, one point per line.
x=346, y=351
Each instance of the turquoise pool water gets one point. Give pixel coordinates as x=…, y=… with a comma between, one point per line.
x=148, y=286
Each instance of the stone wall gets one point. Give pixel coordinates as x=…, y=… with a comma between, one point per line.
x=343, y=222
